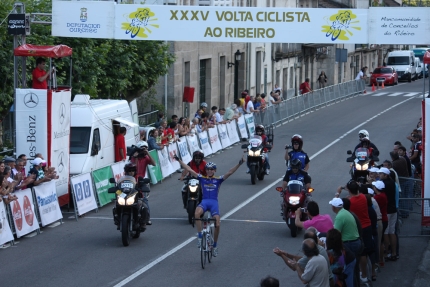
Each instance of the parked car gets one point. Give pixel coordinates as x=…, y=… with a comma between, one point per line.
x=386, y=75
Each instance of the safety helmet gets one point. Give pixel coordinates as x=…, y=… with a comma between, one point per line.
x=198, y=154
x=141, y=144
x=297, y=138
x=259, y=128
x=362, y=134
x=204, y=105
x=210, y=165
x=129, y=167
x=296, y=163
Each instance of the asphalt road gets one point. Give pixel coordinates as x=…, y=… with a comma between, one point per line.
x=90, y=253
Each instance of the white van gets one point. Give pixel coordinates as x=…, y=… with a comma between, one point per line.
x=419, y=52
x=419, y=68
x=404, y=64
x=93, y=125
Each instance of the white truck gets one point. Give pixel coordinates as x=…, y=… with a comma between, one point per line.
x=93, y=126
x=404, y=64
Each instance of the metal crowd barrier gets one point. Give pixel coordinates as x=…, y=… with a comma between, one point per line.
x=297, y=105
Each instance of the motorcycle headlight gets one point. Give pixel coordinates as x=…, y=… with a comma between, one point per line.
x=130, y=200
x=193, y=188
x=294, y=200
x=121, y=201
x=250, y=153
x=257, y=152
x=364, y=167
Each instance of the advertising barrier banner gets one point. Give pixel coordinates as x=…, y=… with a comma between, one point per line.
x=165, y=165
x=24, y=218
x=183, y=150
x=47, y=202
x=249, y=119
x=118, y=170
x=193, y=143
x=214, y=139
x=155, y=171
x=232, y=132
x=223, y=136
x=242, y=127
x=173, y=150
x=204, y=142
x=5, y=231
x=101, y=181
x=84, y=194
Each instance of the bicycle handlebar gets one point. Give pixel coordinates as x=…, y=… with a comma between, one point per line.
x=206, y=219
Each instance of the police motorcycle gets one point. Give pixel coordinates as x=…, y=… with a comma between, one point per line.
x=191, y=196
x=361, y=161
x=130, y=212
x=256, y=158
x=294, y=196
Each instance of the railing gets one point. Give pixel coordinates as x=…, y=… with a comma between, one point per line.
x=298, y=105
x=148, y=119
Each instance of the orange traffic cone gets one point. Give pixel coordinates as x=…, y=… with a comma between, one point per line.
x=373, y=87
x=382, y=85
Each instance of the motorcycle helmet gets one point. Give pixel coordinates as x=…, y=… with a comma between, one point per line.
x=142, y=144
x=259, y=128
x=296, y=163
x=203, y=105
x=130, y=167
x=297, y=138
x=363, y=134
x=211, y=165
x=198, y=154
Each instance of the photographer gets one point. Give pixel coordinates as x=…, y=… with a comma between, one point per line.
x=322, y=222
x=141, y=159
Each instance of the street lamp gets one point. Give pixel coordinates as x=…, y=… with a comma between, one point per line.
x=237, y=57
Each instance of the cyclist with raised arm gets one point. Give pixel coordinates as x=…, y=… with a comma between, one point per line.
x=210, y=185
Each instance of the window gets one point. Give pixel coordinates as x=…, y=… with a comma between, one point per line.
x=79, y=140
x=96, y=146
x=398, y=60
x=202, y=81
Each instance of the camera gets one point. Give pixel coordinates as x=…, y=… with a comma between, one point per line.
x=304, y=210
x=288, y=147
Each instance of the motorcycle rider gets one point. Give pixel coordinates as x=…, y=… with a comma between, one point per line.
x=129, y=175
x=297, y=152
x=363, y=136
x=296, y=173
x=197, y=164
x=259, y=130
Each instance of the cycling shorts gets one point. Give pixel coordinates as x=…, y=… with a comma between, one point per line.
x=211, y=205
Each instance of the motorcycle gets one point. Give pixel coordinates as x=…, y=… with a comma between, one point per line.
x=192, y=196
x=361, y=163
x=256, y=158
x=130, y=212
x=293, y=197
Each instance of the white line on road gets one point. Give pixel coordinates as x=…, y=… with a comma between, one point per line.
x=183, y=244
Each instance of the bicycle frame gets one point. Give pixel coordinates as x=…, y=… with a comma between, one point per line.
x=206, y=247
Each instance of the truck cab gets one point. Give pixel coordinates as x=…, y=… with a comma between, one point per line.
x=404, y=64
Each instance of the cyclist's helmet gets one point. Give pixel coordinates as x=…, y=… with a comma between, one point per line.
x=210, y=165
x=296, y=163
x=259, y=128
x=130, y=167
x=363, y=134
x=198, y=155
x=297, y=139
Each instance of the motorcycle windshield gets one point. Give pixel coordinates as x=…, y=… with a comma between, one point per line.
x=361, y=153
x=255, y=141
x=294, y=188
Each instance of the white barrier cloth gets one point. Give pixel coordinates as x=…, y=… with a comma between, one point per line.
x=24, y=218
x=165, y=164
x=232, y=132
x=214, y=139
x=60, y=139
x=118, y=170
x=204, y=142
x=84, y=193
x=31, y=123
x=5, y=231
x=47, y=202
x=82, y=20
x=173, y=150
x=242, y=127
x=183, y=150
x=249, y=119
x=426, y=160
x=193, y=143
x=223, y=136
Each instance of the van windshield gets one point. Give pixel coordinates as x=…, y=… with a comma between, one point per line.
x=79, y=140
x=398, y=60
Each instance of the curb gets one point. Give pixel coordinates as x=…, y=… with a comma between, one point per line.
x=422, y=277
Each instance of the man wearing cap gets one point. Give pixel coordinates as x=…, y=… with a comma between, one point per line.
x=37, y=172
x=10, y=161
x=390, y=191
x=381, y=199
x=373, y=175
x=203, y=107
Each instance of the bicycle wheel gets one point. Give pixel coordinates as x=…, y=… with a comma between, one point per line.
x=210, y=242
x=203, y=250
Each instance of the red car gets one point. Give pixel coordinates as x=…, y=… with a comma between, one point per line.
x=386, y=75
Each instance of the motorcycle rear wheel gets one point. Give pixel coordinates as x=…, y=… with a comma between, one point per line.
x=261, y=175
x=253, y=172
x=191, y=209
x=125, y=230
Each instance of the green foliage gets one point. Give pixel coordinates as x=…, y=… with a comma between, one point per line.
x=101, y=68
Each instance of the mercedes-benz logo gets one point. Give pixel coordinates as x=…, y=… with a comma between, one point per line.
x=60, y=162
x=31, y=100
x=62, y=112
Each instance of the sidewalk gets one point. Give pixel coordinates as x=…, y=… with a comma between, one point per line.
x=422, y=277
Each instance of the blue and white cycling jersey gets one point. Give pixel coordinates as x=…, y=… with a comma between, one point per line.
x=210, y=186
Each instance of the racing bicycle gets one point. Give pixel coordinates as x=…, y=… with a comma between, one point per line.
x=206, y=247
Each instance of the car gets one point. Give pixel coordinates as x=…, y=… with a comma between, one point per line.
x=386, y=75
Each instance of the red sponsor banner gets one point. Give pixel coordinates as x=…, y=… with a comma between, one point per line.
x=23, y=215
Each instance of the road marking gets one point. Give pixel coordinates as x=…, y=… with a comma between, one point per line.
x=410, y=94
x=379, y=94
x=240, y=206
x=394, y=94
